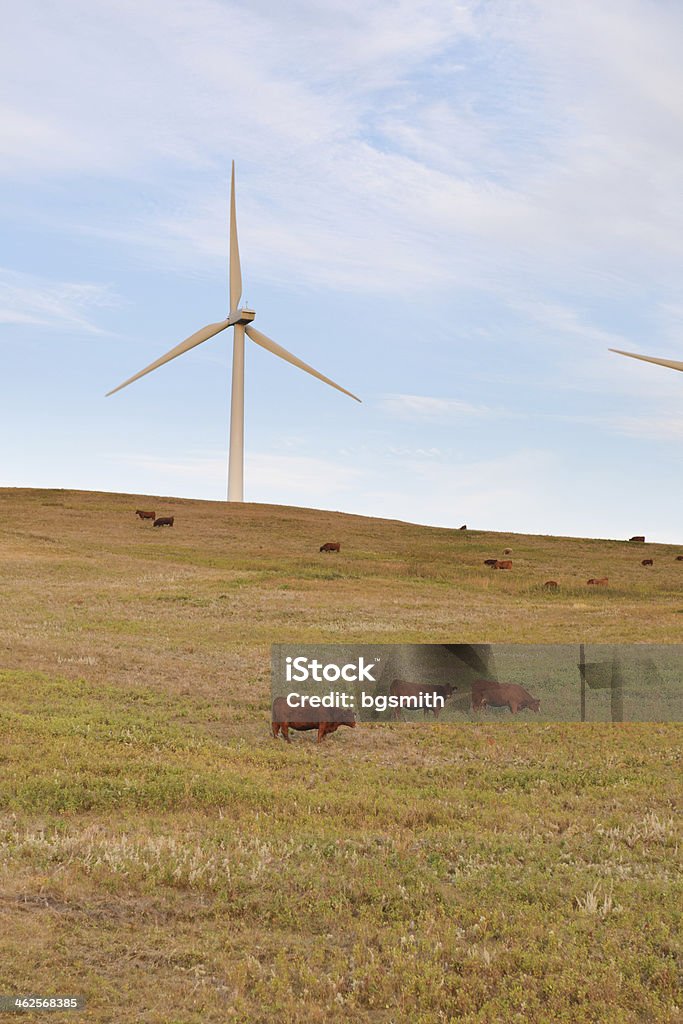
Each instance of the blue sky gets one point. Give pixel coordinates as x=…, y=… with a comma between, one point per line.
x=451, y=209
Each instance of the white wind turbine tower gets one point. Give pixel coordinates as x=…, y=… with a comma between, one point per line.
x=240, y=320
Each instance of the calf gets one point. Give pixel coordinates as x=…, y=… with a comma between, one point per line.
x=601, y=582
x=508, y=551
x=464, y=527
x=502, y=695
x=551, y=585
x=401, y=688
x=145, y=515
x=506, y=564
x=164, y=521
x=647, y=561
x=331, y=547
x=325, y=720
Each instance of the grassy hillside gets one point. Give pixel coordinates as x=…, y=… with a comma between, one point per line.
x=163, y=855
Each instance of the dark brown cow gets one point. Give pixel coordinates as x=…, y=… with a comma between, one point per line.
x=647, y=561
x=502, y=695
x=679, y=558
x=164, y=521
x=401, y=688
x=506, y=564
x=601, y=582
x=637, y=540
x=325, y=720
x=331, y=547
x=464, y=526
x=145, y=515
x=551, y=585
x=490, y=561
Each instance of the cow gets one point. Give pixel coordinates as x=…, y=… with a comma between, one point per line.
x=463, y=527
x=145, y=515
x=331, y=547
x=401, y=688
x=490, y=561
x=637, y=540
x=679, y=558
x=602, y=581
x=508, y=551
x=164, y=521
x=502, y=695
x=551, y=585
x=647, y=561
x=506, y=564
x=325, y=720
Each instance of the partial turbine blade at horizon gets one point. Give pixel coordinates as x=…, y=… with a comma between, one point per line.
x=277, y=350
x=671, y=363
x=195, y=339
x=235, y=269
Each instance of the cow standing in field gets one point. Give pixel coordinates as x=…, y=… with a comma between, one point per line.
x=502, y=695
x=490, y=562
x=325, y=720
x=647, y=561
x=636, y=540
x=505, y=564
x=551, y=585
x=331, y=547
x=679, y=558
x=145, y=515
x=602, y=581
x=401, y=688
x=164, y=521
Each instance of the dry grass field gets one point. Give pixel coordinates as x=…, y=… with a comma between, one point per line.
x=162, y=855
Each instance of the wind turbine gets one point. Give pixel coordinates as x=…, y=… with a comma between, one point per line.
x=671, y=363
x=240, y=320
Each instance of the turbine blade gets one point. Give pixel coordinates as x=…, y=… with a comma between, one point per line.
x=195, y=339
x=671, y=363
x=235, y=270
x=278, y=350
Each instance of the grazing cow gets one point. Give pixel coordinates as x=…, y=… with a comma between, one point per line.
x=508, y=551
x=551, y=585
x=401, y=688
x=647, y=561
x=638, y=540
x=490, y=561
x=330, y=547
x=601, y=582
x=145, y=515
x=164, y=521
x=506, y=564
x=502, y=695
x=325, y=720
x=679, y=558
x=464, y=527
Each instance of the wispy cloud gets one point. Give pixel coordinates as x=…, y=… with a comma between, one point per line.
x=29, y=300
x=428, y=407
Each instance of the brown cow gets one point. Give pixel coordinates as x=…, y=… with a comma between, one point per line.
x=164, y=521
x=601, y=582
x=551, y=585
x=490, y=561
x=507, y=564
x=638, y=540
x=145, y=515
x=331, y=547
x=502, y=695
x=647, y=561
x=679, y=558
x=400, y=688
x=325, y=720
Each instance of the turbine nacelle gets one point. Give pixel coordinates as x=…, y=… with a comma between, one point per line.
x=241, y=316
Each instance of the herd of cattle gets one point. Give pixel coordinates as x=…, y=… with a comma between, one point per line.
x=484, y=693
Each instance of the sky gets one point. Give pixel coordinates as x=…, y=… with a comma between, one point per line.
x=452, y=209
